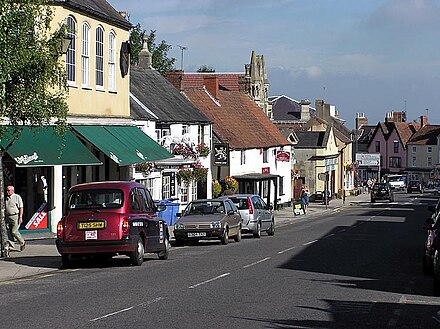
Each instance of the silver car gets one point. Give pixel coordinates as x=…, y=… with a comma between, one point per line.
x=208, y=219
x=256, y=214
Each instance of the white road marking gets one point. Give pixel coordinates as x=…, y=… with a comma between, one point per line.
x=210, y=280
x=285, y=250
x=127, y=309
x=311, y=242
x=257, y=262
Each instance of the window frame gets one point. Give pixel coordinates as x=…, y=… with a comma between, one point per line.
x=112, y=61
x=71, y=51
x=85, y=55
x=99, y=57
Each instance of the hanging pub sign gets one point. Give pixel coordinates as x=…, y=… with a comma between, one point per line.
x=283, y=156
x=221, y=154
x=265, y=170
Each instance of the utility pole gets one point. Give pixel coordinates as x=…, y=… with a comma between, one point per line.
x=182, y=49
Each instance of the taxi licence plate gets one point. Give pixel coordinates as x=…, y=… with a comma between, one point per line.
x=196, y=234
x=91, y=225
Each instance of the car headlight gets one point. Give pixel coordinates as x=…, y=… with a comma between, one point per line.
x=179, y=226
x=216, y=225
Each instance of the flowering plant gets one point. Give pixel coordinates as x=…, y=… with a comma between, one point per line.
x=199, y=172
x=230, y=183
x=184, y=150
x=145, y=167
x=216, y=188
x=185, y=175
x=203, y=150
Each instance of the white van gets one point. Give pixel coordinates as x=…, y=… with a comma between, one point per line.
x=397, y=181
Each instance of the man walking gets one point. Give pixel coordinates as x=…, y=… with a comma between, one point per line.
x=14, y=214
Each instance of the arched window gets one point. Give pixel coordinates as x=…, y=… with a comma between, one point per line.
x=112, y=61
x=85, y=55
x=99, y=58
x=71, y=52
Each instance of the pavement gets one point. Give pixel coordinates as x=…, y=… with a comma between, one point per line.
x=40, y=258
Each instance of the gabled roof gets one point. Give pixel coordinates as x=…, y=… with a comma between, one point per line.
x=153, y=97
x=285, y=108
x=226, y=81
x=237, y=119
x=404, y=130
x=427, y=135
x=100, y=9
x=311, y=139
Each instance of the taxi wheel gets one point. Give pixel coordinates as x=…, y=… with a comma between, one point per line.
x=165, y=252
x=65, y=260
x=225, y=238
x=137, y=256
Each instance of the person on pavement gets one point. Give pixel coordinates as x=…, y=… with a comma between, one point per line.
x=14, y=214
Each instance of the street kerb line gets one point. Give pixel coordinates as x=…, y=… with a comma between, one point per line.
x=257, y=262
x=207, y=281
x=127, y=309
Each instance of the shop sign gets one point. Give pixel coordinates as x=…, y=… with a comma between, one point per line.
x=39, y=219
x=265, y=170
x=283, y=156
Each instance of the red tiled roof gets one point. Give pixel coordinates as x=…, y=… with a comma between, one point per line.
x=427, y=135
x=228, y=81
x=238, y=120
x=406, y=129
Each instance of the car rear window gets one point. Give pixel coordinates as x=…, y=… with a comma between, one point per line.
x=240, y=203
x=102, y=198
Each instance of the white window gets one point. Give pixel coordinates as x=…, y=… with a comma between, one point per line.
x=185, y=129
x=85, y=55
x=71, y=52
x=158, y=136
x=429, y=149
x=99, y=58
x=184, y=193
x=414, y=149
x=166, y=185
x=194, y=191
x=112, y=62
x=242, y=157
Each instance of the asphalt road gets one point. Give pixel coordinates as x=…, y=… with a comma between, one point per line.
x=357, y=268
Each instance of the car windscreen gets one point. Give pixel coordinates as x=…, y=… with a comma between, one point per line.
x=95, y=198
x=379, y=186
x=240, y=203
x=204, y=207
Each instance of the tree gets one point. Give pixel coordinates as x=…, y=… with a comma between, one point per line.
x=33, y=81
x=206, y=69
x=161, y=62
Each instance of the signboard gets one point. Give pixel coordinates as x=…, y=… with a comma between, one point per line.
x=297, y=209
x=39, y=219
x=265, y=170
x=283, y=156
x=322, y=176
x=330, y=164
x=221, y=154
x=367, y=159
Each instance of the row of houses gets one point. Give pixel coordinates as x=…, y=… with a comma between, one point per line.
x=177, y=134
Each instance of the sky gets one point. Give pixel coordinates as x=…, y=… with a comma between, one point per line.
x=363, y=56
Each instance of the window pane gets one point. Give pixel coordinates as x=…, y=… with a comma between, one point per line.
x=70, y=56
x=99, y=57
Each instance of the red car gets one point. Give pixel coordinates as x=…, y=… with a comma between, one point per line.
x=111, y=218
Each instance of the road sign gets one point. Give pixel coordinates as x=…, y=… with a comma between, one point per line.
x=367, y=159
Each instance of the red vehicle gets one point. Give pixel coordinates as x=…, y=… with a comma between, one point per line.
x=111, y=218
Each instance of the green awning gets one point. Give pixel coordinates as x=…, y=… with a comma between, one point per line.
x=42, y=146
x=123, y=144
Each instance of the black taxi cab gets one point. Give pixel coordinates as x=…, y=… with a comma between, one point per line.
x=105, y=219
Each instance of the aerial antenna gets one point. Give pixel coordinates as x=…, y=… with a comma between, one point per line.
x=182, y=48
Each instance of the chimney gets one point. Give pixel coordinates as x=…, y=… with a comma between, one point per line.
x=176, y=79
x=145, y=57
x=305, y=109
x=211, y=84
x=423, y=120
x=319, y=106
x=361, y=120
x=396, y=117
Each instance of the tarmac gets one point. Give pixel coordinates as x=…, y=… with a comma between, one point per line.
x=40, y=258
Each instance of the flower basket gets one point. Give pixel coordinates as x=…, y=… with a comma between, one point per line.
x=229, y=184
x=203, y=150
x=200, y=174
x=145, y=167
x=185, y=175
x=216, y=188
x=183, y=150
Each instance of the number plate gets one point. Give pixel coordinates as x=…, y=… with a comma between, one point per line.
x=196, y=234
x=92, y=235
x=95, y=225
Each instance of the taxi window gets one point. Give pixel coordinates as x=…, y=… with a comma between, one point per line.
x=134, y=199
x=146, y=202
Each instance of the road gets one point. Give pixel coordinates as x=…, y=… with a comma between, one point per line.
x=357, y=268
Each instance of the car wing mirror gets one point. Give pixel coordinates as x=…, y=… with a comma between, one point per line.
x=231, y=212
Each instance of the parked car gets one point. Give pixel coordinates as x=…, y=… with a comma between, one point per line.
x=382, y=191
x=111, y=218
x=414, y=186
x=431, y=224
x=257, y=215
x=208, y=219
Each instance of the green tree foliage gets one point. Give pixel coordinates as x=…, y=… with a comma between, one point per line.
x=161, y=61
x=32, y=79
x=206, y=69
